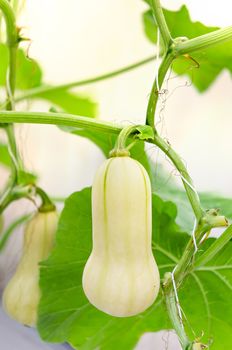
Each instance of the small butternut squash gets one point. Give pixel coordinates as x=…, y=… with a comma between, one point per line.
x=121, y=277
x=21, y=295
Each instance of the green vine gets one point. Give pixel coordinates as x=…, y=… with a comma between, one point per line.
x=161, y=23
x=38, y=91
x=14, y=190
x=13, y=39
x=154, y=95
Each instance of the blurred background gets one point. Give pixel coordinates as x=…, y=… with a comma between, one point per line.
x=77, y=39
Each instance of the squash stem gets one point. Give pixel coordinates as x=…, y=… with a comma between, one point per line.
x=121, y=149
x=47, y=204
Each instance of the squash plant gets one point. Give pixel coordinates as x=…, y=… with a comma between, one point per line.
x=121, y=276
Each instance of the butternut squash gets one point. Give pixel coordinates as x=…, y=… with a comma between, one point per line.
x=121, y=277
x=21, y=295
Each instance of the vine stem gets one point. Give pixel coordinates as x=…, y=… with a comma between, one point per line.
x=121, y=148
x=161, y=22
x=59, y=119
x=186, y=179
x=173, y=314
x=106, y=127
x=204, y=222
x=11, y=29
x=6, y=235
x=178, y=48
x=39, y=91
x=214, y=249
x=12, y=43
x=209, y=220
x=154, y=95
x=13, y=193
x=47, y=204
x=203, y=42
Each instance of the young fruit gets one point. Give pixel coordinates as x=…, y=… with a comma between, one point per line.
x=121, y=277
x=22, y=294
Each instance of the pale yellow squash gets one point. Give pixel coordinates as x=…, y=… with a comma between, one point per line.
x=21, y=295
x=121, y=277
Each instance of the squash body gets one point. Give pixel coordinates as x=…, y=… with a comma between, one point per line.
x=121, y=277
x=21, y=295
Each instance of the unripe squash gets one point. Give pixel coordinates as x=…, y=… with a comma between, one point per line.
x=21, y=295
x=121, y=277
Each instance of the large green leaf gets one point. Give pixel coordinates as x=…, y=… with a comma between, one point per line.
x=66, y=315
x=4, y=155
x=69, y=316
x=70, y=102
x=104, y=141
x=169, y=190
x=211, y=61
x=210, y=290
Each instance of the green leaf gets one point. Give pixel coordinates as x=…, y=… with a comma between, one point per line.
x=165, y=187
x=210, y=289
x=26, y=178
x=29, y=74
x=66, y=315
x=211, y=61
x=4, y=155
x=223, y=203
x=164, y=184
x=102, y=140
x=145, y=132
x=70, y=102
